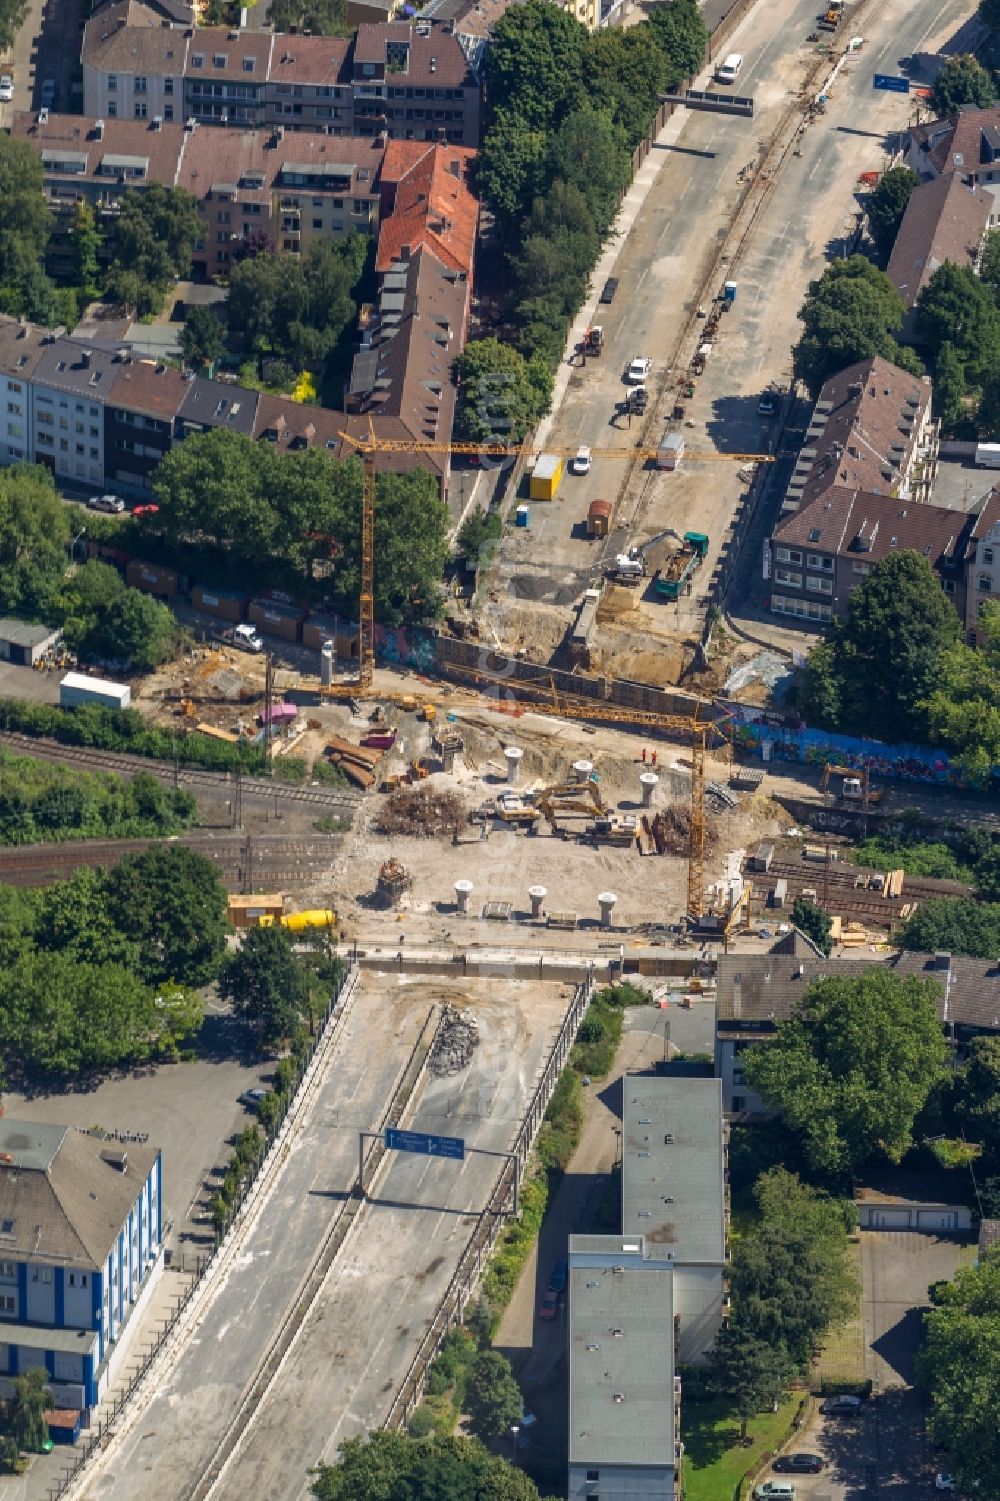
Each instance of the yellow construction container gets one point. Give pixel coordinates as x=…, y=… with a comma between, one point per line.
x=249, y=911
x=301, y=922
x=545, y=477
x=430, y=713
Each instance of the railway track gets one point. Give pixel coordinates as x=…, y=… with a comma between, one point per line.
x=848, y=891
x=241, y=860
x=87, y=758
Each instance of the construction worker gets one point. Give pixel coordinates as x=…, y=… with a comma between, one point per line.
x=654, y=758
x=644, y=755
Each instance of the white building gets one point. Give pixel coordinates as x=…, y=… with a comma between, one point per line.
x=71, y=383
x=675, y=1194
x=80, y=1247
x=21, y=348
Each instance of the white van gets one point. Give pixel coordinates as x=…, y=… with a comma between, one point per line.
x=729, y=69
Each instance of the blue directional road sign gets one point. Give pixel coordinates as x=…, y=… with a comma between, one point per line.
x=890, y=83
x=420, y=1141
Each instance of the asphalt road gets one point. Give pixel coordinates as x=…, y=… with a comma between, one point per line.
x=176, y=1435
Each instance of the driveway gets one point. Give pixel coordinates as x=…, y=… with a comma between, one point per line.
x=884, y=1450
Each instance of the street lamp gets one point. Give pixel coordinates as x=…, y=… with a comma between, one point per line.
x=514, y=1431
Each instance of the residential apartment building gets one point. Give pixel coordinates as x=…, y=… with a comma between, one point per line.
x=80, y=1245
x=966, y=145
x=675, y=1192
x=294, y=189
x=21, y=348
x=871, y=429
x=140, y=420
x=411, y=81
x=71, y=382
x=624, y=1394
x=982, y=569
x=818, y=556
x=945, y=220
x=757, y=992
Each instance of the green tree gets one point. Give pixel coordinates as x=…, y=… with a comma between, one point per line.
x=626, y=72
x=883, y=658
x=963, y=707
x=961, y=81
x=989, y=256
x=28, y=1404
x=954, y=925
x=13, y=14
x=394, y=1467
x=62, y=1017
x=152, y=240
x=511, y=165
x=979, y=1094
x=493, y=1398
x=950, y=386
x=851, y=1070
x=501, y=394
x=955, y=307
x=296, y=309
x=852, y=312
x=750, y=1370
x=267, y=983
x=106, y=619
x=26, y=221
x=590, y=152
x=534, y=63
x=170, y=901
x=85, y=243
x=72, y=918
x=887, y=205
x=180, y=1014
x=34, y=531
x=814, y=923
x=479, y=533
x=203, y=340
x=959, y=1369
x=683, y=38
x=789, y=1277
x=311, y=17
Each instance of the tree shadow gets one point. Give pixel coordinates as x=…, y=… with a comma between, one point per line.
x=224, y=1038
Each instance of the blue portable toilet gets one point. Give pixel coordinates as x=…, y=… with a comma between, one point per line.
x=521, y=516
x=729, y=291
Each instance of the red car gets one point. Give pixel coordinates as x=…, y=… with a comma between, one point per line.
x=549, y=1305
x=149, y=510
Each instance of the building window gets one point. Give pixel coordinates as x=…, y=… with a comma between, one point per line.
x=739, y=1103
x=78, y=1279
x=140, y=84
x=7, y=1303
x=249, y=63
x=820, y=586
x=168, y=85
x=593, y=1474
x=985, y=583
x=987, y=555
x=788, y=555
x=112, y=109
x=15, y=388
x=317, y=224
x=815, y=560
x=359, y=206
x=8, y=1271
x=140, y=109
x=219, y=60
x=112, y=83
x=198, y=60
x=783, y=576
x=12, y=406
x=948, y=585
x=863, y=568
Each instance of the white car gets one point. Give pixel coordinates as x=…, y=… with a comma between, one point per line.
x=639, y=369
x=581, y=464
x=944, y=1482
x=6, y=88
x=112, y=503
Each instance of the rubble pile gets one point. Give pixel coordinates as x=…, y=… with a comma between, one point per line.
x=422, y=811
x=671, y=831
x=456, y=1041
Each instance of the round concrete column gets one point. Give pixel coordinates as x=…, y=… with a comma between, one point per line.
x=463, y=891
x=513, y=756
x=537, y=895
x=607, y=900
x=648, y=781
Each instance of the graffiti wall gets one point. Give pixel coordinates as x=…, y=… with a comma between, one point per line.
x=759, y=733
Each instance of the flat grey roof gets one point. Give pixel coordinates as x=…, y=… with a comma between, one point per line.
x=30, y=1144
x=40, y=1337
x=23, y=634
x=672, y=1151
x=621, y=1353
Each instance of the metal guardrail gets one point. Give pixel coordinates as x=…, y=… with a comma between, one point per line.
x=490, y=1221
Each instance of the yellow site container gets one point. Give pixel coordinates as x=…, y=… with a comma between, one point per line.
x=545, y=477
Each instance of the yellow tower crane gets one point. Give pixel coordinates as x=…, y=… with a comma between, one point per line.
x=700, y=732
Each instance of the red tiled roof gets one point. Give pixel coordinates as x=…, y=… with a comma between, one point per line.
x=143, y=386
x=433, y=207
x=944, y=221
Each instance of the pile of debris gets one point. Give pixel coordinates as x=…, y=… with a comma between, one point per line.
x=456, y=1040
x=421, y=812
x=670, y=831
x=357, y=762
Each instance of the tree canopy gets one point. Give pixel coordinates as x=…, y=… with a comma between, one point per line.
x=887, y=205
x=816, y=924
x=958, y=309
x=203, y=339
x=169, y=900
x=34, y=531
x=493, y=1398
x=26, y=221
x=311, y=17
x=393, y=1467
x=959, y=1368
x=296, y=308
x=852, y=1068
x=534, y=63
x=962, y=80
x=152, y=241
x=852, y=312
x=683, y=38
x=267, y=983
x=954, y=925
x=104, y=618
x=501, y=395
x=881, y=663
x=284, y=517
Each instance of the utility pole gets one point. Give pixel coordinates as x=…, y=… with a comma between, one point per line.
x=238, y=796
x=268, y=707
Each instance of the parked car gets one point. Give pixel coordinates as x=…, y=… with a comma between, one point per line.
x=774, y=1490
x=768, y=404
x=798, y=1464
x=582, y=461
x=251, y=1098
x=112, y=503
x=944, y=1482
x=146, y=510
x=48, y=92
x=610, y=288
x=638, y=370
x=549, y=1305
x=839, y=1406
x=557, y=1282
x=638, y=399
x=6, y=88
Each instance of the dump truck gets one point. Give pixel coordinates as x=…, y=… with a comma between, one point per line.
x=830, y=20
x=674, y=577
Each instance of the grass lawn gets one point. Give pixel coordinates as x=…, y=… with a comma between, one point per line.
x=714, y=1459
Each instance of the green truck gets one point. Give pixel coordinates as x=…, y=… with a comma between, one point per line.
x=672, y=579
